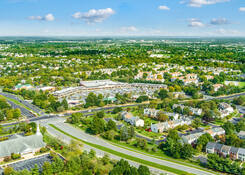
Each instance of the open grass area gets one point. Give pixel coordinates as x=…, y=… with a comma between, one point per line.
x=151, y=135
x=122, y=155
x=242, y=84
x=158, y=154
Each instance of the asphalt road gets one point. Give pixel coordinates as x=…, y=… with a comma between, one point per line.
x=25, y=103
x=99, y=153
x=58, y=122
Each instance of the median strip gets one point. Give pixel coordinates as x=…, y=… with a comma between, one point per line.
x=135, y=159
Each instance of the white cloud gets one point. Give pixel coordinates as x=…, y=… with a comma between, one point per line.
x=219, y=21
x=94, y=16
x=48, y=17
x=200, y=3
x=129, y=29
x=195, y=23
x=242, y=9
x=226, y=32
x=163, y=7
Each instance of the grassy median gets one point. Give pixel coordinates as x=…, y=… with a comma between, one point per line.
x=135, y=159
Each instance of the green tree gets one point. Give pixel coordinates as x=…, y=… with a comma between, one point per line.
x=35, y=170
x=97, y=126
x=131, y=131
x=196, y=123
x=143, y=170
x=100, y=114
x=124, y=133
x=64, y=103
x=163, y=94
x=17, y=113
x=57, y=165
x=240, y=126
x=203, y=140
x=8, y=170
x=187, y=151
x=47, y=169
x=76, y=117
x=229, y=128
x=111, y=125
x=2, y=116
x=162, y=117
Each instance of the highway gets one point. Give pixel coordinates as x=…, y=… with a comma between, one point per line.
x=99, y=153
x=59, y=123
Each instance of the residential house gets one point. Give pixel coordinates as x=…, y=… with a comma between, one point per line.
x=195, y=111
x=241, y=154
x=234, y=153
x=217, y=87
x=210, y=147
x=226, y=151
x=135, y=121
x=164, y=126
x=151, y=112
x=225, y=109
x=189, y=81
x=192, y=138
x=241, y=134
x=231, y=83
x=209, y=77
x=159, y=127
x=216, y=131
x=191, y=76
x=174, y=116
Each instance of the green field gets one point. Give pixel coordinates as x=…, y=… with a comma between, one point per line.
x=242, y=84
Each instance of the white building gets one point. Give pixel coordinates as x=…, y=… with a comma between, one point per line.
x=164, y=126
x=135, y=121
x=225, y=109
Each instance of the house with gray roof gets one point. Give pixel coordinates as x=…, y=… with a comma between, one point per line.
x=226, y=151
x=241, y=154
x=210, y=147
x=234, y=153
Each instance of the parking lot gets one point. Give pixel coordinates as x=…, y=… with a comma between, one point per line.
x=30, y=163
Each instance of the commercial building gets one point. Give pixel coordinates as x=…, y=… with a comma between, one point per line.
x=26, y=146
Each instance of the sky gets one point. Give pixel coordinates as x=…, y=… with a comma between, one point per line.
x=122, y=18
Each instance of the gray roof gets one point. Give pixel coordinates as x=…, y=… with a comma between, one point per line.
x=234, y=150
x=21, y=144
x=241, y=151
x=218, y=146
x=211, y=145
x=225, y=149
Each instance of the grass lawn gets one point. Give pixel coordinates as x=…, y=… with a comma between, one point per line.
x=158, y=154
x=241, y=84
x=149, y=134
x=129, y=157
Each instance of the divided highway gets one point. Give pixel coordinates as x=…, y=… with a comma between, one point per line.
x=59, y=123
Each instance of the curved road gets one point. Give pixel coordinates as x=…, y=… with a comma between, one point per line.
x=59, y=123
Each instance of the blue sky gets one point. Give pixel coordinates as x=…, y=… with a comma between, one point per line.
x=122, y=17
